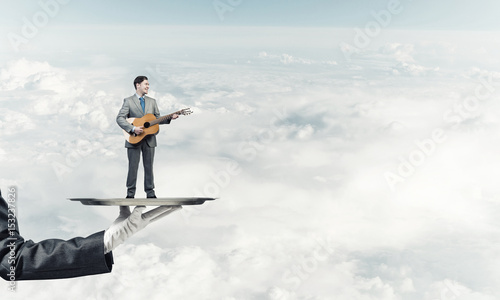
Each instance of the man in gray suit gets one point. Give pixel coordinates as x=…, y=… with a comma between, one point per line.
x=136, y=106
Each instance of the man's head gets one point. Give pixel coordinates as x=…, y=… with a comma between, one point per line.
x=141, y=85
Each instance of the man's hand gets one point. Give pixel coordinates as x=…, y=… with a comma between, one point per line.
x=138, y=130
x=143, y=219
x=175, y=116
x=128, y=224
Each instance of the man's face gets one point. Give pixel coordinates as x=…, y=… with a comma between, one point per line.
x=143, y=88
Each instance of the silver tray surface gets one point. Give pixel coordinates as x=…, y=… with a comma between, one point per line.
x=170, y=201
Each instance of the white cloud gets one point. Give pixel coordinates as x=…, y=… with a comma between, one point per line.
x=15, y=122
x=287, y=59
x=18, y=74
x=401, y=52
x=412, y=69
x=312, y=142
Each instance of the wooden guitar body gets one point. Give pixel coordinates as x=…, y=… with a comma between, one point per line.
x=151, y=125
x=147, y=130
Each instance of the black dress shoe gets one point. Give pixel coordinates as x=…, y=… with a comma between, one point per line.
x=153, y=196
x=129, y=197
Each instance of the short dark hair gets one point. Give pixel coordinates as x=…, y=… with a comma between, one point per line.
x=139, y=80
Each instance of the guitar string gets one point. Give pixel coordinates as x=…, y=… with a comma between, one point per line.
x=161, y=119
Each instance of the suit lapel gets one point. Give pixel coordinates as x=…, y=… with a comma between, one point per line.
x=148, y=105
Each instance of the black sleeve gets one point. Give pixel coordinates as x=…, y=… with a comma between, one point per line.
x=48, y=259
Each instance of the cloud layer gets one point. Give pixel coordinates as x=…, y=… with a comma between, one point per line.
x=368, y=178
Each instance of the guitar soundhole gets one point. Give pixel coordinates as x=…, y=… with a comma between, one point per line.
x=146, y=125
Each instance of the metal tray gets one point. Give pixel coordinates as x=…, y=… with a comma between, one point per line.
x=171, y=201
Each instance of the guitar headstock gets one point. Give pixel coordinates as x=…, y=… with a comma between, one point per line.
x=185, y=111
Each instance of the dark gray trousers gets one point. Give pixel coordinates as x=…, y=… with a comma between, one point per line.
x=134, y=156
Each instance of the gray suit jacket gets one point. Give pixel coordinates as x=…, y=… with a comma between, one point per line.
x=131, y=108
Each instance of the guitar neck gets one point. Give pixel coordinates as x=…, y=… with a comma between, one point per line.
x=164, y=118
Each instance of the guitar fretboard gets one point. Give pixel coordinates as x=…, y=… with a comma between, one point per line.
x=169, y=116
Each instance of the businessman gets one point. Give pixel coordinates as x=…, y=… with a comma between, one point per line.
x=22, y=259
x=136, y=106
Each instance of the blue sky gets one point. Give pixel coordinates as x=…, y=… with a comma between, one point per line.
x=445, y=14
x=324, y=115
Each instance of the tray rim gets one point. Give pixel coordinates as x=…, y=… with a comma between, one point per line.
x=164, y=201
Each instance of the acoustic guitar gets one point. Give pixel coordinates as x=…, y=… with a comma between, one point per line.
x=151, y=125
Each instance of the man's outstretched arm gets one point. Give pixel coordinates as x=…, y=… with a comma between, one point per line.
x=48, y=259
x=57, y=259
